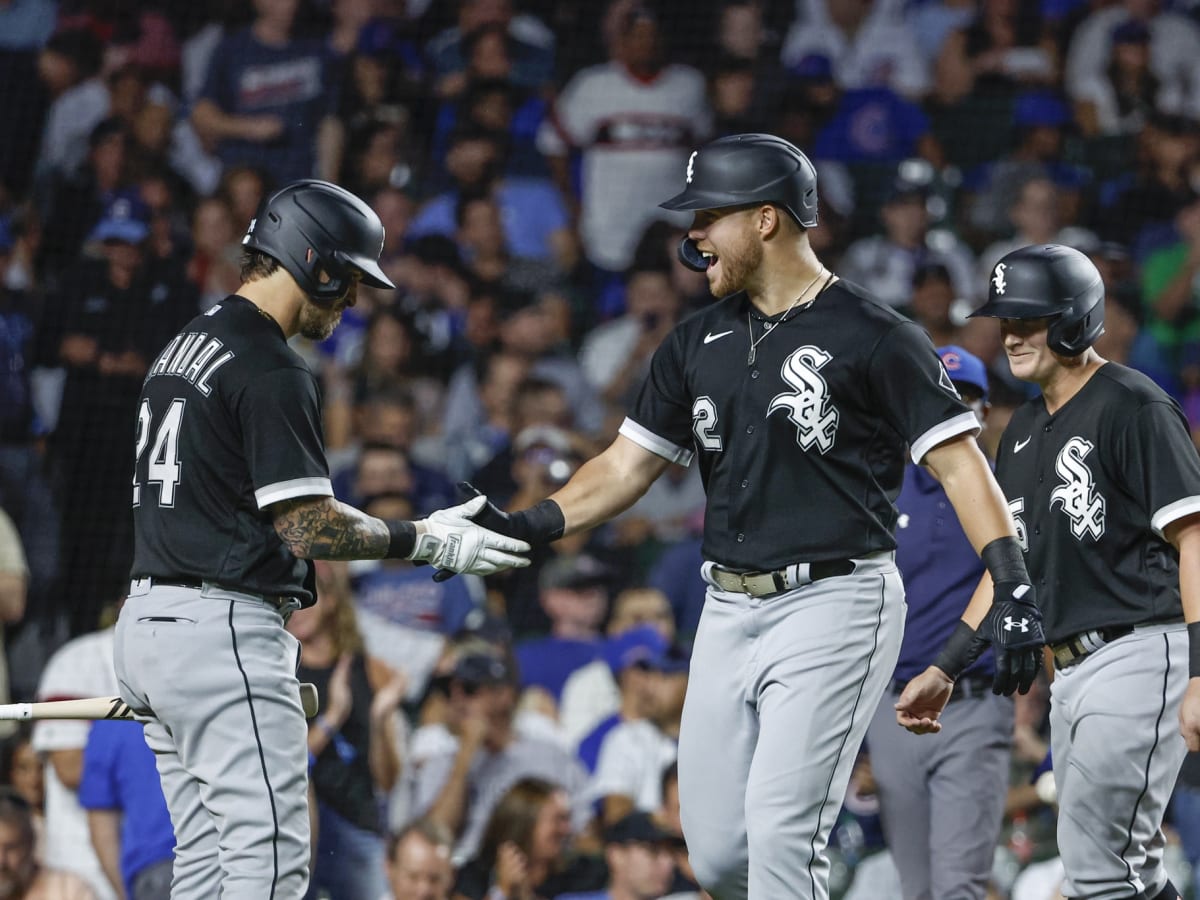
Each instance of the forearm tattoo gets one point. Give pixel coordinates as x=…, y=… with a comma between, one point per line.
x=329, y=529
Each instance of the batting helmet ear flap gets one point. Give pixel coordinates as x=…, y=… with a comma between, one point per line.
x=690, y=255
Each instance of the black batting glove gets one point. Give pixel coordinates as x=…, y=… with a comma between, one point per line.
x=1014, y=628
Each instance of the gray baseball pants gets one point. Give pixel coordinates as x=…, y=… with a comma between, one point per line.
x=1117, y=751
x=218, y=671
x=941, y=796
x=779, y=697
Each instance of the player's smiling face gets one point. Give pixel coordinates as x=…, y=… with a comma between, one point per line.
x=729, y=242
x=1025, y=344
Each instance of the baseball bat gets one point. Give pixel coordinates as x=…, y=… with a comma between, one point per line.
x=113, y=707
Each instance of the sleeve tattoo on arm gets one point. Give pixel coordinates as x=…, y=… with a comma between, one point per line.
x=325, y=528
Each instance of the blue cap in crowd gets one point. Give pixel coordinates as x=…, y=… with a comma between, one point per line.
x=642, y=645
x=813, y=67
x=1040, y=109
x=125, y=219
x=964, y=367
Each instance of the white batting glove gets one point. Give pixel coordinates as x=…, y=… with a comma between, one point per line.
x=449, y=539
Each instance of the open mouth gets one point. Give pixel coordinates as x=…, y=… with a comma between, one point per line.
x=710, y=258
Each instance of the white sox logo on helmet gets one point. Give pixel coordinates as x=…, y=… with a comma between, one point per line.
x=1077, y=494
x=691, y=169
x=808, y=406
x=998, y=278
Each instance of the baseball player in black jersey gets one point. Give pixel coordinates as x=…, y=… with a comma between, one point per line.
x=801, y=398
x=232, y=500
x=1104, y=485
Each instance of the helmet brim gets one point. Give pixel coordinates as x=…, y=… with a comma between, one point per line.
x=690, y=200
x=1014, y=308
x=371, y=273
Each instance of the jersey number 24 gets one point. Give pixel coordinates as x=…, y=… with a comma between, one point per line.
x=163, y=466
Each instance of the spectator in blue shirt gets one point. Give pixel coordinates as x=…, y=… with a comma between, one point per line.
x=574, y=593
x=942, y=796
x=269, y=98
x=127, y=814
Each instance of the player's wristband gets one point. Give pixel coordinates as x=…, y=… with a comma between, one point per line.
x=1005, y=561
x=1194, y=650
x=539, y=524
x=402, y=538
x=957, y=651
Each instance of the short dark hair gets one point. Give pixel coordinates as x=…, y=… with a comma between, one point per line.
x=257, y=265
x=464, y=202
x=15, y=811
x=931, y=271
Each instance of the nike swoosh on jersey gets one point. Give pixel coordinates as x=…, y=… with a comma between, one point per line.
x=710, y=337
x=1020, y=445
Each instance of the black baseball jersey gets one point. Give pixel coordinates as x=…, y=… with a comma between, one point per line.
x=802, y=453
x=1091, y=489
x=229, y=422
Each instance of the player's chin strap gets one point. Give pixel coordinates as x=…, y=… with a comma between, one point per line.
x=690, y=256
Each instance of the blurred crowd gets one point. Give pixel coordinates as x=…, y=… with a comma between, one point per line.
x=516, y=738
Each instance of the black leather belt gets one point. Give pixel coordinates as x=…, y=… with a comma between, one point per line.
x=279, y=602
x=965, y=688
x=763, y=584
x=1072, y=650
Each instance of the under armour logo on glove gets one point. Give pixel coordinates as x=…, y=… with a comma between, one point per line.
x=1014, y=628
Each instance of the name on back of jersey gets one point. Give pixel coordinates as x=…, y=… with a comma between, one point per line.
x=193, y=356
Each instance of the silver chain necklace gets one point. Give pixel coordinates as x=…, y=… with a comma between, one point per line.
x=768, y=327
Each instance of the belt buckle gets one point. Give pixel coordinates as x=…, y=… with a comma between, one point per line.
x=745, y=586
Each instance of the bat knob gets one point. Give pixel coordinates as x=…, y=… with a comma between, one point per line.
x=309, y=700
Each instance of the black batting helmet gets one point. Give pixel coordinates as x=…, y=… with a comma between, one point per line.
x=746, y=168
x=1050, y=281
x=312, y=228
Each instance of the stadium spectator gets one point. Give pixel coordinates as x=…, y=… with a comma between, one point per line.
x=126, y=811
x=628, y=681
x=884, y=263
x=636, y=752
x=1039, y=120
x=535, y=219
x=418, y=863
x=531, y=46
x=1123, y=97
x=1137, y=209
x=1174, y=46
x=869, y=43
x=24, y=492
x=1035, y=215
x=616, y=354
x=70, y=68
x=633, y=120
x=525, y=850
x=404, y=616
x=933, y=301
x=267, y=99
x=1002, y=51
x=82, y=667
x=352, y=744
x=640, y=855
x=573, y=591
x=459, y=785
x=115, y=315
x=21, y=874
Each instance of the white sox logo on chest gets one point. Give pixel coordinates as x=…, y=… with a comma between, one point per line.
x=808, y=406
x=1077, y=494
